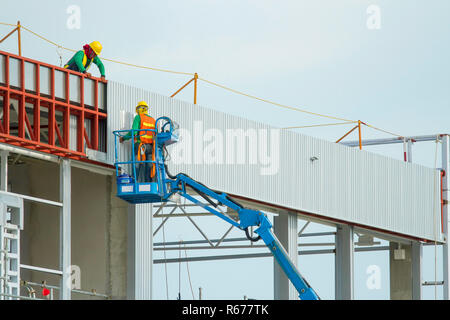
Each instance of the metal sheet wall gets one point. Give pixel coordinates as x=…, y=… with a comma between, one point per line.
x=342, y=183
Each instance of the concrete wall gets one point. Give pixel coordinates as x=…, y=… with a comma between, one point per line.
x=99, y=227
x=400, y=271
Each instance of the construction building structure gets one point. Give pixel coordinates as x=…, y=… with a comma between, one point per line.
x=57, y=185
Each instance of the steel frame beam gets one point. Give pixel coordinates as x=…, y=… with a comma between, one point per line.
x=374, y=142
x=65, y=242
x=176, y=243
x=184, y=213
x=261, y=255
x=53, y=104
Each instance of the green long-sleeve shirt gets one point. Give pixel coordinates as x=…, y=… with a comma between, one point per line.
x=77, y=60
x=136, y=126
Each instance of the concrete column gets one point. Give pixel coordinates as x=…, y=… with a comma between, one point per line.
x=344, y=283
x=64, y=228
x=445, y=196
x=117, y=243
x=401, y=271
x=416, y=259
x=140, y=252
x=285, y=228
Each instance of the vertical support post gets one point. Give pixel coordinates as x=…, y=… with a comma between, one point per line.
x=445, y=198
x=37, y=107
x=80, y=127
x=21, y=101
x=140, y=252
x=4, y=171
x=64, y=228
x=410, y=144
x=405, y=157
x=94, y=121
x=359, y=134
x=344, y=284
x=51, y=124
x=195, y=88
x=51, y=111
x=19, y=37
x=6, y=102
x=66, y=122
x=416, y=260
x=285, y=229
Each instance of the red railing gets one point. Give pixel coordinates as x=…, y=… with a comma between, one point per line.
x=55, y=101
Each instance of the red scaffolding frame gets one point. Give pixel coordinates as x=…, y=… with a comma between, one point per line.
x=28, y=133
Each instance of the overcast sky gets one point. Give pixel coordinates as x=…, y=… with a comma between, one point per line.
x=326, y=56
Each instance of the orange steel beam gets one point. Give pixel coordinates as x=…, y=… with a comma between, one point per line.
x=184, y=86
x=195, y=78
x=359, y=133
x=30, y=129
x=195, y=87
x=86, y=137
x=6, y=37
x=18, y=37
x=58, y=133
x=347, y=134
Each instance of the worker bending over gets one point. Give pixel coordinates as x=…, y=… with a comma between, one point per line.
x=83, y=59
x=144, y=146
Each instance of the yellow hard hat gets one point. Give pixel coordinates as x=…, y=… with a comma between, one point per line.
x=96, y=46
x=142, y=104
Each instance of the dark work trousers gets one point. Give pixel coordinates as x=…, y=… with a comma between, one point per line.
x=143, y=170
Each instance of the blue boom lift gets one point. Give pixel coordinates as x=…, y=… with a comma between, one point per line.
x=166, y=185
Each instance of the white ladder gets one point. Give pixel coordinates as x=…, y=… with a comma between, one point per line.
x=11, y=222
x=10, y=259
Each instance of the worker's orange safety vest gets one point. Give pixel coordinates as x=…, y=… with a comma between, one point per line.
x=147, y=122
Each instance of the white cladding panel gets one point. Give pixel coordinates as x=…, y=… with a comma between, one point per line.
x=341, y=182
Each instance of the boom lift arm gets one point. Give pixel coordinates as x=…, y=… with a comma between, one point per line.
x=167, y=185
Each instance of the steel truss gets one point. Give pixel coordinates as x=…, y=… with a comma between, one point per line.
x=178, y=210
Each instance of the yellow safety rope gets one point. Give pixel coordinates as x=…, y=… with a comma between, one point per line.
x=370, y=126
x=8, y=24
x=45, y=39
x=321, y=125
x=149, y=68
x=272, y=102
x=110, y=60
x=346, y=121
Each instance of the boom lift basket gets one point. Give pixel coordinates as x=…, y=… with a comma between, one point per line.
x=129, y=187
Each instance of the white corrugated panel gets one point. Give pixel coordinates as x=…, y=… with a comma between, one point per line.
x=143, y=246
x=343, y=183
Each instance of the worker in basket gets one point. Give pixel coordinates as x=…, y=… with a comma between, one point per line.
x=144, y=146
x=83, y=59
